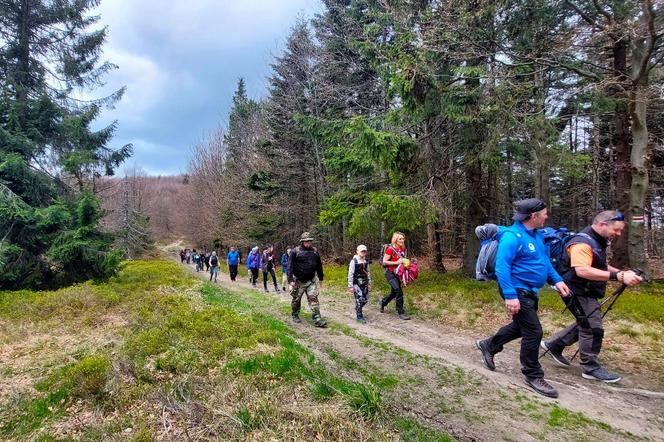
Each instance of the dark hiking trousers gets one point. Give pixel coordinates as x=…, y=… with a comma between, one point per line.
x=254, y=276
x=588, y=330
x=524, y=325
x=274, y=278
x=396, y=293
x=232, y=269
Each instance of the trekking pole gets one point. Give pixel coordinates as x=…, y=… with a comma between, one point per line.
x=579, y=316
x=616, y=295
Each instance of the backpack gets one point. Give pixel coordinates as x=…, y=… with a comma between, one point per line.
x=383, y=251
x=555, y=240
x=214, y=260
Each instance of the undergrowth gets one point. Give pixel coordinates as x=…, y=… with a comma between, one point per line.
x=191, y=361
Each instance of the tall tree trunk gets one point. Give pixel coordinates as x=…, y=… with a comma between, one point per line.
x=639, y=160
x=622, y=149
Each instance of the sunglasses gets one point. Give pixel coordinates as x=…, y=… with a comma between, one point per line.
x=619, y=217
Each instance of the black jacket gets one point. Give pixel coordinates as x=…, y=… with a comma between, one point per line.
x=581, y=286
x=304, y=264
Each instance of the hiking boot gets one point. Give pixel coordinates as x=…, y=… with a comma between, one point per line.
x=276, y=289
x=601, y=374
x=542, y=387
x=320, y=323
x=267, y=291
x=361, y=320
x=283, y=289
x=404, y=316
x=556, y=355
x=296, y=319
x=381, y=307
x=487, y=357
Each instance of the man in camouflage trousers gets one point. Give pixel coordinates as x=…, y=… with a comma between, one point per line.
x=305, y=275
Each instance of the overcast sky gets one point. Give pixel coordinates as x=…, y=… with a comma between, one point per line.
x=180, y=61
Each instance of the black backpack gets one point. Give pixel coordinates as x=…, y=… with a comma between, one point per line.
x=214, y=260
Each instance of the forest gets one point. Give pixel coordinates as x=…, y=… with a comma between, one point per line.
x=432, y=117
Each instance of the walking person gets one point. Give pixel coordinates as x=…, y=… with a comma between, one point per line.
x=395, y=254
x=284, y=269
x=305, y=275
x=522, y=268
x=587, y=272
x=214, y=266
x=253, y=264
x=197, y=261
x=268, y=267
x=182, y=256
x=206, y=261
x=233, y=260
x=359, y=280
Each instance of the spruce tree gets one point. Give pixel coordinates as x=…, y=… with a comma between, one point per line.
x=49, y=155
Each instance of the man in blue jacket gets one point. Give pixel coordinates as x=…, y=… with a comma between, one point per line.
x=522, y=268
x=233, y=259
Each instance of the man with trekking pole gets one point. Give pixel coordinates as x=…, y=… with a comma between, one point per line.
x=586, y=273
x=522, y=268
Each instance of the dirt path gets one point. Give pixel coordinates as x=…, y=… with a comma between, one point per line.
x=479, y=414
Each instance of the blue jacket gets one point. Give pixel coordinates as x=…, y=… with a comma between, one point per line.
x=254, y=261
x=522, y=261
x=284, y=262
x=233, y=258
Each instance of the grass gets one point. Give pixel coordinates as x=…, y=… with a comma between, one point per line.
x=634, y=327
x=154, y=353
x=436, y=293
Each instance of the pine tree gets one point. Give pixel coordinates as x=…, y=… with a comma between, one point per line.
x=50, y=157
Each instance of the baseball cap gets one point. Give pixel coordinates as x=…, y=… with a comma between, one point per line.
x=524, y=208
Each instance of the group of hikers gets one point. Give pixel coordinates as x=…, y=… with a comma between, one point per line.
x=522, y=268
x=207, y=260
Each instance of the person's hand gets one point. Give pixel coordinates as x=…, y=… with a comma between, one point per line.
x=292, y=285
x=563, y=290
x=399, y=261
x=513, y=306
x=631, y=278
x=351, y=290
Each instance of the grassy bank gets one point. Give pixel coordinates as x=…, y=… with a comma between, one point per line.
x=635, y=327
x=157, y=354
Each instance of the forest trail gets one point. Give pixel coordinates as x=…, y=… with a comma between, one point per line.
x=483, y=398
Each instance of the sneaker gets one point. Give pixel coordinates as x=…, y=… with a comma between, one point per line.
x=320, y=324
x=487, y=357
x=556, y=355
x=361, y=320
x=296, y=319
x=542, y=387
x=404, y=316
x=601, y=374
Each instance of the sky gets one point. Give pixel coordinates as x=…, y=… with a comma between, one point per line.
x=180, y=61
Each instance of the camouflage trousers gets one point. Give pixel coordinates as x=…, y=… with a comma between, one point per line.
x=310, y=288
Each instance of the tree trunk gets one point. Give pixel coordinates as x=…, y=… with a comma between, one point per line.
x=639, y=162
x=434, y=241
x=622, y=151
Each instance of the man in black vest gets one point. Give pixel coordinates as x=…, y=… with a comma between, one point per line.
x=305, y=275
x=587, y=276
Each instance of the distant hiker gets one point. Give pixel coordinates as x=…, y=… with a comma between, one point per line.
x=187, y=255
x=206, y=261
x=182, y=256
x=305, y=275
x=233, y=260
x=268, y=267
x=522, y=268
x=253, y=264
x=214, y=266
x=395, y=254
x=359, y=280
x=284, y=269
x=197, y=261
x=587, y=272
